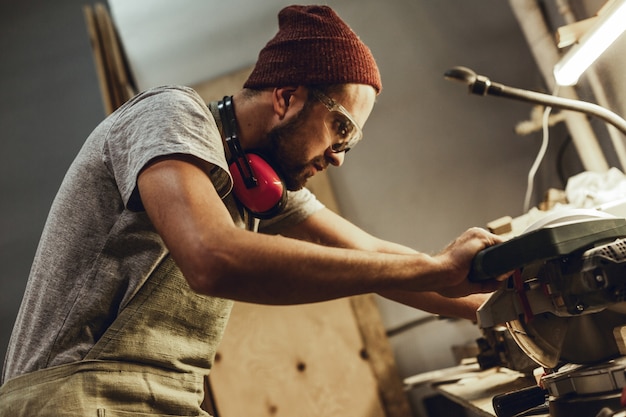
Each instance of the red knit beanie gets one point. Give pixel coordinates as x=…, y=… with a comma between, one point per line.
x=313, y=46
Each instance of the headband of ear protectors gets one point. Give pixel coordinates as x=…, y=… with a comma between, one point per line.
x=255, y=183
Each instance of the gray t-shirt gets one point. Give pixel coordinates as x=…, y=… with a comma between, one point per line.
x=98, y=246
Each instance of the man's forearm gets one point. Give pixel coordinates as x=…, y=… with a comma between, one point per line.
x=279, y=270
x=462, y=307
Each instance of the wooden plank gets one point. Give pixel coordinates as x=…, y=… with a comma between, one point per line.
x=380, y=356
x=107, y=55
x=305, y=360
x=120, y=88
x=98, y=57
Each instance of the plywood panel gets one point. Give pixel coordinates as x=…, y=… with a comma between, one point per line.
x=306, y=360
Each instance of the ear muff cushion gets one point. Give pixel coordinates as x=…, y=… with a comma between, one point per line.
x=268, y=196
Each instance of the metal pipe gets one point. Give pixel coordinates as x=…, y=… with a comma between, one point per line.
x=481, y=85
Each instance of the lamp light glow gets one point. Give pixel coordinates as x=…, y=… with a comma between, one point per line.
x=611, y=23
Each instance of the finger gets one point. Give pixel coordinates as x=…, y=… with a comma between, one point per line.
x=504, y=276
x=487, y=238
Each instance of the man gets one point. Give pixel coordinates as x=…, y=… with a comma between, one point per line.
x=147, y=243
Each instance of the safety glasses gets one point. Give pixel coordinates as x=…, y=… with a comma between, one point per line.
x=340, y=123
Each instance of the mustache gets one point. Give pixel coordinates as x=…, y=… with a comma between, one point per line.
x=320, y=163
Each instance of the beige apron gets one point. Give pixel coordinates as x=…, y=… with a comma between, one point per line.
x=150, y=362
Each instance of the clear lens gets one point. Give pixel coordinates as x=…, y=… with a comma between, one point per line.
x=345, y=130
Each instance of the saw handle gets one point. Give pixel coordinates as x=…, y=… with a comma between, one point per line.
x=480, y=270
x=544, y=244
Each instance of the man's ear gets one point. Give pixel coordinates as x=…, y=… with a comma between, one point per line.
x=288, y=98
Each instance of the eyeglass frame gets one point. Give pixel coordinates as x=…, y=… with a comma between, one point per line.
x=333, y=106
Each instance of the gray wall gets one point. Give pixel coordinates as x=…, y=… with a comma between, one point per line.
x=49, y=103
x=435, y=160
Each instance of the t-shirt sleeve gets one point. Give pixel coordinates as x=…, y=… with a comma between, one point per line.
x=159, y=122
x=300, y=205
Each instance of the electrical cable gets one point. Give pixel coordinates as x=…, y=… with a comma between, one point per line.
x=540, y=155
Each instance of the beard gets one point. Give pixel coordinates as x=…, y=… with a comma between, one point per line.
x=284, y=152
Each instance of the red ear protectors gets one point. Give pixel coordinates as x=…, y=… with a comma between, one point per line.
x=255, y=183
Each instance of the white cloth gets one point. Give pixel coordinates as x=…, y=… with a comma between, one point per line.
x=592, y=189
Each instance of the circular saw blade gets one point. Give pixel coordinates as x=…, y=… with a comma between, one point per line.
x=549, y=339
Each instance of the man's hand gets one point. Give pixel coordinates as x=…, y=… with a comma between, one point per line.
x=456, y=260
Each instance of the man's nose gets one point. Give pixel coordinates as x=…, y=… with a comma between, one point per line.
x=335, y=158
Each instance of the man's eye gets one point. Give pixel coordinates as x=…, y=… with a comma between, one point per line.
x=343, y=127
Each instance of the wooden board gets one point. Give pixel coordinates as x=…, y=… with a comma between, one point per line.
x=98, y=57
x=116, y=84
x=121, y=88
x=306, y=360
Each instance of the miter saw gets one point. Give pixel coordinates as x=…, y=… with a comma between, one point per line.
x=565, y=306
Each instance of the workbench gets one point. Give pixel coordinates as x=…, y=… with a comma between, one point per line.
x=468, y=391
